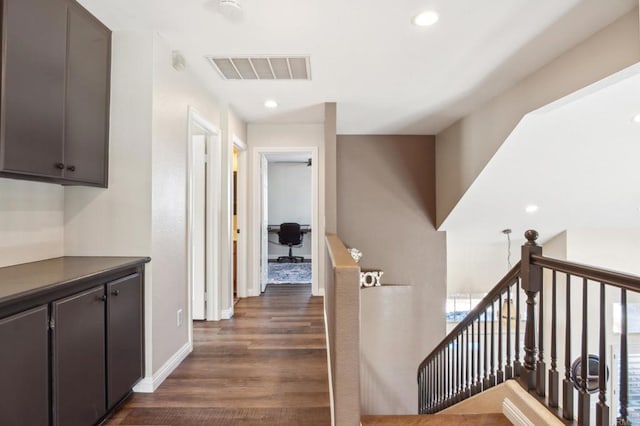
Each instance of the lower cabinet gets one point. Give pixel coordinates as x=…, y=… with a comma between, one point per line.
x=78, y=338
x=124, y=336
x=24, y=368
x=73, y=358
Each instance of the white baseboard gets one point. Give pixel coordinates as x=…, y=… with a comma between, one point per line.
x=321, y=292
x=252, y=292
x=227, y=313
x=150, y=384
x=513, y=413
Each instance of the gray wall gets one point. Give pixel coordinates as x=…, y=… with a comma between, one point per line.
x=386, y=208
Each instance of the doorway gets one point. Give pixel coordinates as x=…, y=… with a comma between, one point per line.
x=203, y=218
x=285, y=187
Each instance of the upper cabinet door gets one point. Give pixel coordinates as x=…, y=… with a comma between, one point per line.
x=87, y=98
x=34, y=47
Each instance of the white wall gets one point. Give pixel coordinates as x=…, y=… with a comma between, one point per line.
x=31, y=221
x=265, y=136
x=476, y=267
x=116, y=221
x=289, y=201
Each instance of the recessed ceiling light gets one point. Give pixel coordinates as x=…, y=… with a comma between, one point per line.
x=636, y=118
x=425, y=19
x=270, y=103
x=531, y=208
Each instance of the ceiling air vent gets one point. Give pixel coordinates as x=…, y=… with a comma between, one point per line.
x=262, y=67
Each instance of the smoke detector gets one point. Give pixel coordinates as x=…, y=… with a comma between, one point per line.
x=230, y=8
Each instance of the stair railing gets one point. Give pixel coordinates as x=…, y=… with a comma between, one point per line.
x=484, y=348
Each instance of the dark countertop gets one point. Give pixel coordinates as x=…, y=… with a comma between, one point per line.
x=29, y=279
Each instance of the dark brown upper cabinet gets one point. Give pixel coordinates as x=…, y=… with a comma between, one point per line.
x=54, y=102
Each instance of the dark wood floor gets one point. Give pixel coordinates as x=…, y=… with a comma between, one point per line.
x=266, y=366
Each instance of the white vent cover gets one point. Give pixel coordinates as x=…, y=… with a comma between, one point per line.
x=262, y=67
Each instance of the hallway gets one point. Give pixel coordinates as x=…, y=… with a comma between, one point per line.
x=266, y=366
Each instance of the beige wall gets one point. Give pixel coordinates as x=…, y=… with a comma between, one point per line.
x=143, y=212
x=173, y=93
x=386, y=196
x=464, y=149
x=331, y=209
x=31, y=221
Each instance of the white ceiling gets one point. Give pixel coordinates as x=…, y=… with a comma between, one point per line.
x=386, y=75
x=577, y=159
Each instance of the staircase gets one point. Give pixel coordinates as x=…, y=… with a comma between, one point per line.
x=506, y=336
x=438, y=420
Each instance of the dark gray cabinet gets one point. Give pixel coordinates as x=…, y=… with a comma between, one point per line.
x=87, y=98
x=33, y=86
x=24, y=368
x=124, y=336
x=71, y=339
x=55, y=93
x=78, y=348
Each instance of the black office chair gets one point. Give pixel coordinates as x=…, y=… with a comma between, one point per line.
x=290, y=235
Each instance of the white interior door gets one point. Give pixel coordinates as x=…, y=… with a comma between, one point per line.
x=199, y=226
x=264, y=257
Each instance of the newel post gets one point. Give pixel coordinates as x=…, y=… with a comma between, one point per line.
x=531, y=284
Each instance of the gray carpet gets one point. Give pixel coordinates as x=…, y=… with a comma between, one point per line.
x=289, y=273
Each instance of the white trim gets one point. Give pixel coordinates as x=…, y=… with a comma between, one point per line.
x=150, y=384
x=213, y=136
x=226, y=313
x=252, y=292
x=320, y=292
x=243, y=211
x=326, y=336
x=259, y=152
x=513, y=413
x=238, y=143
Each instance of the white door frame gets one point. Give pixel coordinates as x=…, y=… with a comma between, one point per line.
x=256, y=230
x=241, y=199
x=213, y=204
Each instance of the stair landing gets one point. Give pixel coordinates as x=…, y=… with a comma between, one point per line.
x=496, y=419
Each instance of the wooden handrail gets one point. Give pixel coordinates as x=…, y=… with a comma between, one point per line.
x=486, y=301
x=609, y=277
x=443, y=376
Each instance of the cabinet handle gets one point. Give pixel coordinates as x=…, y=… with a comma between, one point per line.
x=59, y=166
x=115, y=292
x=103, y=298
x=71, y=168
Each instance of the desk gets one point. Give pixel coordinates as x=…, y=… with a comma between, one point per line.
x=274, y=229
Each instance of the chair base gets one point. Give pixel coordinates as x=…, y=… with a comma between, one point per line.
x=291, y=259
